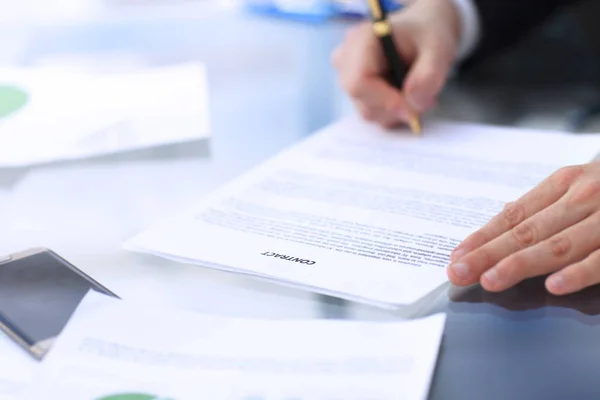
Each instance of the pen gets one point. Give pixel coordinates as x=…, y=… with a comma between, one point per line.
x=383, y=31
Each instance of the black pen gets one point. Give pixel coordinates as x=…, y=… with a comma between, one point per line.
x=398, y=69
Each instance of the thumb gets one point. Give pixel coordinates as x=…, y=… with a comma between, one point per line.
x=427, y=77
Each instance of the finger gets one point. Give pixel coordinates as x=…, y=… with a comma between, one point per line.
x=363, y=55
x=384, y=103
x=355, y=30
x=541, y=226
x=363, y=110
x=371, y=115
x=543, y=195
x=350, y=54
x=363, y=67
x=576, y=276
x=337, y=57
x=565, y=248
x=428, y=75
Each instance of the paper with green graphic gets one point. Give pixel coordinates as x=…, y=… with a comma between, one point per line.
x=119, y=350
x=49, y=115
x=12, y=99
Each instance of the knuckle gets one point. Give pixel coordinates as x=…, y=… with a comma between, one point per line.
x=429, y=74
x=586, y=192
x=524, y=234
x=513, y=214
x=427, y=79
x=364, y=111
x=351, y=87
x=566, y=176
x=367, y=114
x=483, y=258
x=476, y=239
x=354, y=87
x=560, y=246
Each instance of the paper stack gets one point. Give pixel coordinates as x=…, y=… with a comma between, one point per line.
x=361, y=213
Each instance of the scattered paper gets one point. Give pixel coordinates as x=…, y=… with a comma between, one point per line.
x=364, y=214
x=17, y=369
x=111, y=199
x=47, y=115
x=111, y=347
x=4, y=204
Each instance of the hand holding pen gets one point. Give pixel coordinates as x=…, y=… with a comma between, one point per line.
x=393, y=88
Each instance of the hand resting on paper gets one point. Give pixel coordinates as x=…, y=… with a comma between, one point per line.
x=553, y=229
x=427, y=34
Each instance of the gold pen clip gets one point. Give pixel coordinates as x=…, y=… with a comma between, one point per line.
x=376, y=10
x=382, y=28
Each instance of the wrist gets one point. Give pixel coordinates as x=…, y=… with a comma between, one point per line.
x=468, y=27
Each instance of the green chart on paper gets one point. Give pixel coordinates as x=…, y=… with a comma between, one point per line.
x=133, y=396
x=12, y=99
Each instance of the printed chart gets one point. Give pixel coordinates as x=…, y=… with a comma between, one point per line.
x=12, y=99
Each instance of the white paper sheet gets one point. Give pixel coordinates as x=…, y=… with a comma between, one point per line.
x=17, y=369
x=71, y=115
x=112, y=347
x=361, y=213
x=111, y=200
x=4, y=204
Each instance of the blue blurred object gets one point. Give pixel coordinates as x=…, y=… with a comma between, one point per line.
x=314, y=10
x=301, y=10
x=360, y=8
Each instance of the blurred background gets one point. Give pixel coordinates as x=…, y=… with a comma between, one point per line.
x=548, y=80
x=268, y=61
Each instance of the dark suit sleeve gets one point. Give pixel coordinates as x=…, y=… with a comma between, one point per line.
x=504, y=22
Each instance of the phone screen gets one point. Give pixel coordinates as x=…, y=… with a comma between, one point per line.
x=38, y=295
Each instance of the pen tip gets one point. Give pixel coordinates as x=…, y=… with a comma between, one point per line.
x=415, y=125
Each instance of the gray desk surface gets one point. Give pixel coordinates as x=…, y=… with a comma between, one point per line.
x=521, y=344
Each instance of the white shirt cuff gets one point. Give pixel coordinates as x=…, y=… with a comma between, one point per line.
x=469, y=27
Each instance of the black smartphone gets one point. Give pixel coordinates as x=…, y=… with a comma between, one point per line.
x=39, y=292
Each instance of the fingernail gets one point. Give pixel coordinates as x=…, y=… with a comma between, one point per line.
x=418, y=101
x=556, y=283
x=492, y=277
x=461, y=270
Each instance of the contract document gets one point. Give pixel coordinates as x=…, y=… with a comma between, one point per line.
x=115, y=350
x=361, y=213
